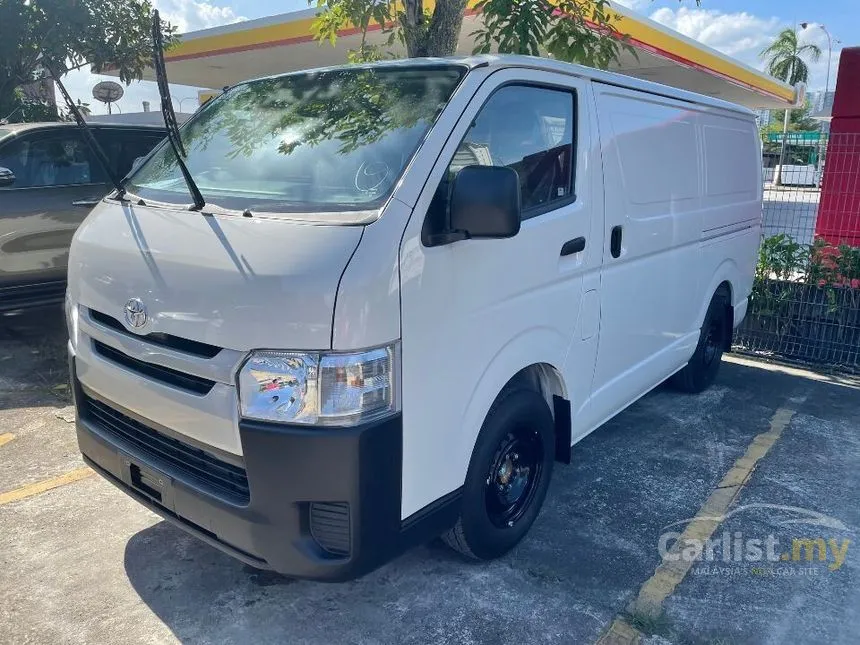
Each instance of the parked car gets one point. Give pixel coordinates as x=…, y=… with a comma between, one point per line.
x=49, y=181
x=402, y=292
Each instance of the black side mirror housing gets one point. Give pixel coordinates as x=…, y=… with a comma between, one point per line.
x=7, y=177
x=485, y=202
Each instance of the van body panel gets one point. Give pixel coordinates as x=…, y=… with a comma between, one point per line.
x=603, y=321
x=476, y=312
x=680, y=189
x=650, y=160
x=581, y=360
x=210, y=420
x=224, y=280
x=367, y=313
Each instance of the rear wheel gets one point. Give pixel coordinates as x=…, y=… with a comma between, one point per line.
x=702, y=369
x=508, y=476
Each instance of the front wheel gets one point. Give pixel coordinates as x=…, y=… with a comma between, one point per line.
x=508, y=476
x=701, y=371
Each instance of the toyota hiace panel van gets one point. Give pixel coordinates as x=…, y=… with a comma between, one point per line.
x=411, y=287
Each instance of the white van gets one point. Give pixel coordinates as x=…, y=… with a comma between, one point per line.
x=414, y=285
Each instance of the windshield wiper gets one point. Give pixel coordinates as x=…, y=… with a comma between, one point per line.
x=88, y=135
x=168, y=114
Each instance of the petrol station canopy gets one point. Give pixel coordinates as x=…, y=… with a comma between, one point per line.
x=225, y=55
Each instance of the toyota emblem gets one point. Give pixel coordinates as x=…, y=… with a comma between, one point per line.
x=135, y=313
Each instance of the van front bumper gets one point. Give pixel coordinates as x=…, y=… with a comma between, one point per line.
x=322, y=503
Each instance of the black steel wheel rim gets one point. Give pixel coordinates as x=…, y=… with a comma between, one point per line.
x=513, y=477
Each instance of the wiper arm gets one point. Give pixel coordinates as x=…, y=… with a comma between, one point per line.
x=168, y=114
x=88, y=135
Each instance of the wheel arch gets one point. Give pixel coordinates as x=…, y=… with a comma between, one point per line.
x=727, y=276
x=532, y=360
x=546, y=380
x=722, y=281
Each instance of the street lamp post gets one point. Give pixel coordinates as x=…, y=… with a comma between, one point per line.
x=777, y=172
x=187, y=98
x=805, y=25
x=822, y=148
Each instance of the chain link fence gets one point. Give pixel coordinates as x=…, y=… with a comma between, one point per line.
x=805, y=304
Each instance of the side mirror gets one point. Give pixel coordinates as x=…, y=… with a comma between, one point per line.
x=485, y=202
x=7, y=177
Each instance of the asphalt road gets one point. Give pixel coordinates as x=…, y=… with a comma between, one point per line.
x=82, y=563
x=792, y=210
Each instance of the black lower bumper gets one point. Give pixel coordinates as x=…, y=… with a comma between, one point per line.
x=322, y=504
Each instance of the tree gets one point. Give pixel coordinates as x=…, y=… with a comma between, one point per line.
x=23, y=108
x=83, y=108
x=798, y=120
x=579, y=31
x=67, y=34
x=784, y=59
x=361, y=14
x=574, y=30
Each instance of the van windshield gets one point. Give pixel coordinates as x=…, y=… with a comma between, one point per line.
x=324, y=141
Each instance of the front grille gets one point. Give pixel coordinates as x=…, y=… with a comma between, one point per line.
x=31, y=295
x=203, y=350
x=166, y=375
x=329, y=524
x=171, y=456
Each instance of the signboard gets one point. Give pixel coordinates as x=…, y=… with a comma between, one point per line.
x=206, y=95
x=107, y=91
x=801, y=138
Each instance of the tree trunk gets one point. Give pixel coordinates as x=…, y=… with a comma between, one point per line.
x=7, y=96
x=414, y=29
x=445, y=27
x=777, y=176
x=439, y=36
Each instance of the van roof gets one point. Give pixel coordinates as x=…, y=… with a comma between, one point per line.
x=502, y=61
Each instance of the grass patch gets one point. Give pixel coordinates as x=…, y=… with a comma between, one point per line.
x=663, y=627
x=649, y=625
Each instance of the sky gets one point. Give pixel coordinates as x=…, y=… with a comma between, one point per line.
x=739, y=28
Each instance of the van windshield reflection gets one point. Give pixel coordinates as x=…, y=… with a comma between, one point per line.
x=327, y=141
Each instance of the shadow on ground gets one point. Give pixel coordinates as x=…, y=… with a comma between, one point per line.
x=33, y=359
x=591, y=548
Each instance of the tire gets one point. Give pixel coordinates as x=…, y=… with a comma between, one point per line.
x=700, y=373
x=508, y=476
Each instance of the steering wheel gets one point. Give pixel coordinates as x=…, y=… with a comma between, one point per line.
x=371, y=175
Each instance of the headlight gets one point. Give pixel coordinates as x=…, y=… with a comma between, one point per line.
x=322, y=389
x=72, y=321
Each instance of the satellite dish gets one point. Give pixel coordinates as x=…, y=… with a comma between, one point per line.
x=107, y=92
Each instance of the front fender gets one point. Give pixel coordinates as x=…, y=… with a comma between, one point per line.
x=532, y=346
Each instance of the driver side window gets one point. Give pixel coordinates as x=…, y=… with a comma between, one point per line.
x=530, y=129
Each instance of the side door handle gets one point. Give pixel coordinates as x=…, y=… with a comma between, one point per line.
x=575, y=245
x=86, y=203
x=615, y=241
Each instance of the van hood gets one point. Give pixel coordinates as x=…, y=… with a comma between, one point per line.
x=234, y=282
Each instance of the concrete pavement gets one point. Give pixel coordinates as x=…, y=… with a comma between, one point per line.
x=82, y=563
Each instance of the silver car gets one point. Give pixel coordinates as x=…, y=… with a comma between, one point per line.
x=49, y=181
